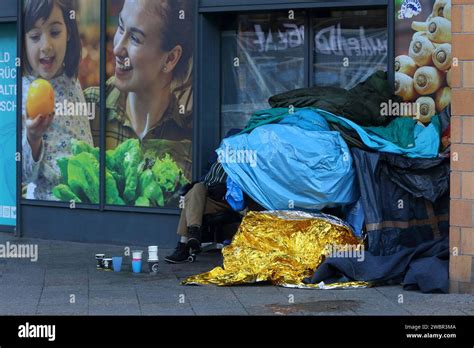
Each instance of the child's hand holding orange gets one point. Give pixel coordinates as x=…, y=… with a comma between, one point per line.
x=40, y=111
x=40, y=99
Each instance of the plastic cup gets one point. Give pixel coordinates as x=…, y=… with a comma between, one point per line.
x=100, y=260
x=137, y=261
x=117, y=263
x=153, y=266
x=107, y=263
x=137, y=254
x=153, y=252
x=137, y=266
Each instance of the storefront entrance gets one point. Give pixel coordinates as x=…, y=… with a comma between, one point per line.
x=241, y=53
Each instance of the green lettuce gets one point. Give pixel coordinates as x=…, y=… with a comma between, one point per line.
x=131, y=176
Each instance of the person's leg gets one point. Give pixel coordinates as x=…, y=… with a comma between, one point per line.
x=182, y=225
x=190, y=220
x=213, y=206
x=181, y=253
x=210, y=207
x=195, y=205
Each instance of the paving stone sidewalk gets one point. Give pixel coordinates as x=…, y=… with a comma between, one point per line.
x=65, y=281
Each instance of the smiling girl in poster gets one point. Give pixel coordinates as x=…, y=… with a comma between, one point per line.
x=53, y=50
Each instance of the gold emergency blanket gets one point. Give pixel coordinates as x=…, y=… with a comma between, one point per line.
x=280, y=247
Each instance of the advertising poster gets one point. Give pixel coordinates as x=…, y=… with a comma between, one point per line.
x=149, y=101
x=8, y=49
x=61, y=61
x=423, y=54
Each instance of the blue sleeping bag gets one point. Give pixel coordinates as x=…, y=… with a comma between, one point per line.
x=296, y=164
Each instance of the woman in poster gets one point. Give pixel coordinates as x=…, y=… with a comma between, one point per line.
x=149, y=98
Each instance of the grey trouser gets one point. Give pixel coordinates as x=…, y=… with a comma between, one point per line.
x=196, y=205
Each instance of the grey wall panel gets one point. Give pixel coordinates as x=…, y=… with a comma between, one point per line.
x=7, y=229
x=8, y=9
x=99, y=227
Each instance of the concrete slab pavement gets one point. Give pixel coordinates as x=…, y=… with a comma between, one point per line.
x=65, y=281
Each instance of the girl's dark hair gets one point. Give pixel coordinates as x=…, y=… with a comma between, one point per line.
x=35, y=10
x=177, y=31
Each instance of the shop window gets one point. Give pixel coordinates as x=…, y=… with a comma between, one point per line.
x=349, y=46
x=148, y=102
x=149, y=128
x=61, y=62
x=263, y=54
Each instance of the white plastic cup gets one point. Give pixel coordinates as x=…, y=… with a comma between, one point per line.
x=137, y=255
x=153, y=253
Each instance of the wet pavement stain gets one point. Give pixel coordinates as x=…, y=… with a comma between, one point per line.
x=314, y=307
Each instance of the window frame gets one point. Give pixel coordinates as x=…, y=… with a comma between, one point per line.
x=101, y=206
x=207, y=91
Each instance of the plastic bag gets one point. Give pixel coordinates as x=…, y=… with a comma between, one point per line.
x=234, y=196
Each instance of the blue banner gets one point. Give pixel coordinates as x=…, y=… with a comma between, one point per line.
x=8, y=91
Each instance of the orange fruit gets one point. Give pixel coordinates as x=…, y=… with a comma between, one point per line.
x=40, y=99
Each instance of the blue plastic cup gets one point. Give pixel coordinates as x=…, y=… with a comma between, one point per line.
x=137, y=266
x=117, y=263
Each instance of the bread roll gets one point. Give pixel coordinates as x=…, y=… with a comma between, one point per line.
x=428, y=80
x=419, y=33
x=447, y=11
x=421, y=50
x=406, y=65
x=439, y=30
x=420, y=26
x=438, y=8
x=442, y=57
x=404, y=87
x=427, y=109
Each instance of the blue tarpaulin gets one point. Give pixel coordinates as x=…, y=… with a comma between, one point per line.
x=296, y=164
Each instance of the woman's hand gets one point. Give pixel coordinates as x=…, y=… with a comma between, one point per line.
x=35, y=129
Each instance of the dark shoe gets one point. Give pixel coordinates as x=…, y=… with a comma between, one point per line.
x=181, y=254
x=194, y=241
